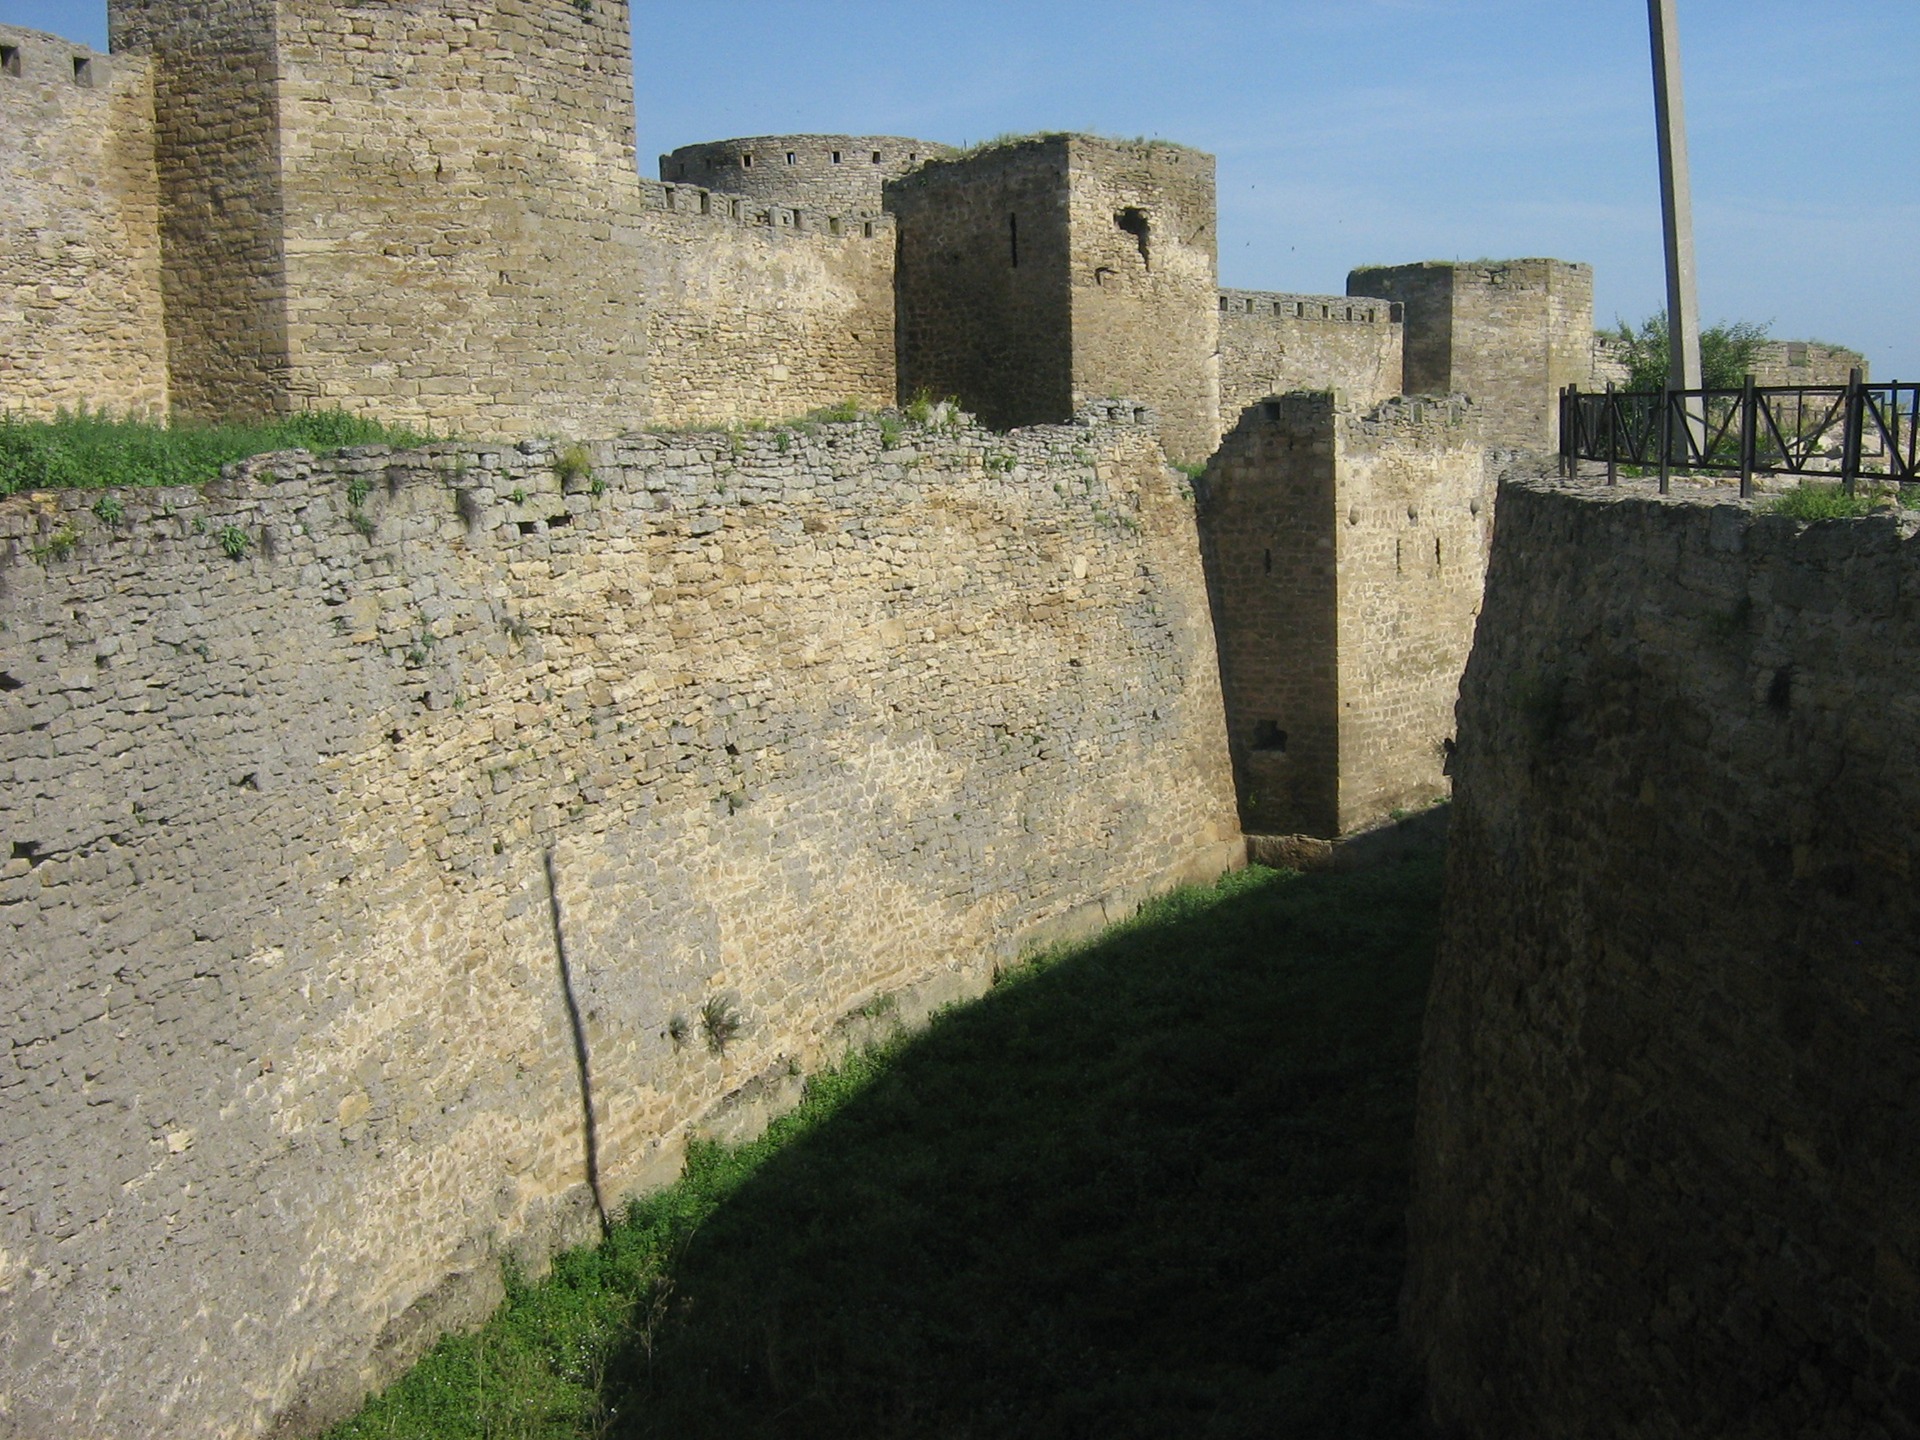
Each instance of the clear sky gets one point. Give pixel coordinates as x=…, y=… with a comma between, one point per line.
x=1357, y=132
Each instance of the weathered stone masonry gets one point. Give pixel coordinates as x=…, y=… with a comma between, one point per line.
x=1666, y=1182
x=1273, y=343
x=80, y=209
x=1345, y=550
x=798, y=720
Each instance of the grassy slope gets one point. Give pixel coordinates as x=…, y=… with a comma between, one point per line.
x=86, y=451
x=1152, y=1186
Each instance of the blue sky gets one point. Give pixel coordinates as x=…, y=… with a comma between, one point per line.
x=1374, y=131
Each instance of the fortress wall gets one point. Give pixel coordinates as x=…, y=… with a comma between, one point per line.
x=1506, y=333
x=1346, y=550
x=463, y=217
x=750, y=320
x=79, y=231
x=983, y=287
x=1145, y=316
x=840, y=175
x=793, y=720
x=1273, y=343
x=1665, y=1174
x=216, y=105
x=1778, y=362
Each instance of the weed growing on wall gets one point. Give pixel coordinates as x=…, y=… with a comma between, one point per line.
x=1151, y=1185
x=1830, y=502
x=84, y=450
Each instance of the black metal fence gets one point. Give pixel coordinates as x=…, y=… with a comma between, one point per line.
x=1838, y=432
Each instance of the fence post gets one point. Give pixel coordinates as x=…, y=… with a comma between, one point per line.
x=1566, y=433
x=1613, y=463
x=1850, y=442
x=1748, y=409
x=1666, y=440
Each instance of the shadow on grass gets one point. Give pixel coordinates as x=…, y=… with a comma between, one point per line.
x=1154, y=1186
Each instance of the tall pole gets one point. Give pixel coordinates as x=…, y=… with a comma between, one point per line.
x=1676, y=204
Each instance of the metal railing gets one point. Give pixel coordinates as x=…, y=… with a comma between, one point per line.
x=1840, y=432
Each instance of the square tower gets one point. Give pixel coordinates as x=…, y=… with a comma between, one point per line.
x=1506, y=333
x=1042, y=274
x=1346, y=549
x=427, y=210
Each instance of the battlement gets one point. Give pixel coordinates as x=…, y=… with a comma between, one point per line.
x=843, y=175
x=31, y=58
x=695, y=200
x=1334, y=309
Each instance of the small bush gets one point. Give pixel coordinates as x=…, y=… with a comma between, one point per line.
x=573, y=464
x=1823, y=502
x=108, y=510
x=233, y=541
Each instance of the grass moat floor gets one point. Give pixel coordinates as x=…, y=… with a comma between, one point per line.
x=1152, y=1185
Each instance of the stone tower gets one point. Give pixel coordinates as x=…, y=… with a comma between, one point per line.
x=1345, y=549
x=1039, y=275
x=1507, y=333
x=427, y=209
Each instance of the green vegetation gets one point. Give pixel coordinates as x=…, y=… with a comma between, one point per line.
x=1148, y=1186
x=90, y=451
x=1727, y=352
x=573, y=464
x=233, y=541
x=1826, y=502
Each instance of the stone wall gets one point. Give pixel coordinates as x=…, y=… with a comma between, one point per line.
x=80, y=207
x=841, y=175
x=462, y=213
x=1143, y=278
x=1508, y=334
x=216, y=105
x=1345, y=551
x=982, y=282
x=1665, y=1173
x=791, y=720
x=1777, y=362
x=756, y=313
x=1273, y=343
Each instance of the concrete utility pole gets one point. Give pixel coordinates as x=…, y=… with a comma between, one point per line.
x=1676, y=202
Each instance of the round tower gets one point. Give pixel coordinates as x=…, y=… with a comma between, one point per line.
x=831, y=174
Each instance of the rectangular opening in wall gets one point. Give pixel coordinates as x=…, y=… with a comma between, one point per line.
x=9, y=60
x=733, y=209
x=1276, y=307
x=706, y=203
x=746, y=162
x=836, y=157
x=876, y=157
x=789, y=157
x=1396, y=313
x=1013, y=239
x=1299, y=309
x=83, y=72
x=1224, y=302
x=833, y=224
x=867, y=229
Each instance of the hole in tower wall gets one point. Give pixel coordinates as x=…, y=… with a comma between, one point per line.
x=1134, y=221
x=706, y=203
x=746, y=162
x=789, y=157
x=836, y=157
x=876, y=157
x=9, y=60
x=1266, y=561
x=83, y=72
x=1013, y=240
x=1269, y=737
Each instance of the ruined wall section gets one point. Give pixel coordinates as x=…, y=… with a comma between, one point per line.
x=1346, y=549
x=1273, y=343
x=751, y=318
x=1415, y=520
x=983, y=285
x=463, y=217
x=1506, y=333
x=794, y=720
x=1144, y=284
x=1664, y=1180
x=841, y=175
x=79, y=231
x=216, y=105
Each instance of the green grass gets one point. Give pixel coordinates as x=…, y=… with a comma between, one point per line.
x=88, y=451
x=1824, y=502
x=1150, y=1186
